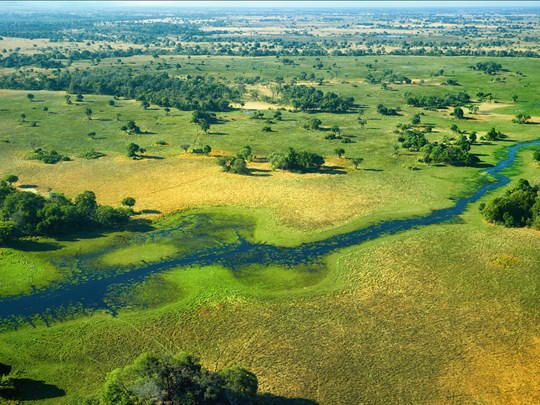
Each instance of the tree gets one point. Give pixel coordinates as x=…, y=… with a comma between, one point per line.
x=30, y=96
x=267, y=128
x=46, y=109
x=132, y=150
x=458, y=113
x=301, y=161
x=314, y=124
x=128, y=201
x=111, y=103
x=204, y=125
x=7, y=232
x=521, y=118
x=23, y=117
x=245, y=153
x=131, y=127
x=88, y=113
x=362, y=121
x=536, y=155
x=339, y=152
x=167, y=111
x=85, y=204
x=145, y=104
x=472, y=137
x=79, y=98
x=67, y=97
x=357, y=161
x=185, y=146
x=11, y=178
x=514, y=98
x=415, y=120
x=206, y=149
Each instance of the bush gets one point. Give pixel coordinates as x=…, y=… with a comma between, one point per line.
x=301, y=161
x=51, y=157
x=92, y=155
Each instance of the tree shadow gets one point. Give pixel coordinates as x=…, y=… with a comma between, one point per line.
x=149, y=211
x=259, y=172
x=102, y=119
x=153, y=157
x=218, y=133
x=34, y=246
x=373, y=170
x=27, y=186
x=27, y=389
x=332, y=170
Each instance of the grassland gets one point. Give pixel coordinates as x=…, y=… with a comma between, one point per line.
x=442, y=314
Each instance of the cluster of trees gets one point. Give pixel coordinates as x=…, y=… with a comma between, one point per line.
x=434, y=102
x=44, y=61
x=457, y=154
x=49, y=157
x=236, y=164
x=494, y=135
x=297, y=161
x=307, y=98
x=191, y=93
x=389, y=111
x=489, y=68
x=388, y=76
x=28, y=214
x=518, y=207
x=179, y=379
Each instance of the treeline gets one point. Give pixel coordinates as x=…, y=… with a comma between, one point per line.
x=434, y=102
x=518, y=207
x=192, y=93
x=307, y=98
x=25, y=213
x=41, y=60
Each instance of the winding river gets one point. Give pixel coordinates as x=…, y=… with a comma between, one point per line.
x=90, y=293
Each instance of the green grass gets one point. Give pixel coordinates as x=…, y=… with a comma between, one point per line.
x=441, y=314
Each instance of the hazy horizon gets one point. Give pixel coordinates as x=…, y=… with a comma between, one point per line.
x=275, y=4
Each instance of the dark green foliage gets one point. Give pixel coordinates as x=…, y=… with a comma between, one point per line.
x=458, y=113
x=198, y=92
x=455, y=155
x=267, y=128
x=301, y=161
x=516, y=208
x=128, y=201
x=177, y=379
x=205, y=150
x=384, y=110
x=412, y=139
x=494, y=135
x=133, y=149
x=339, y=152
x=28, y=214
x=436, y=102
x=387, y=75
x=92, y=155
x=131, y=128
x=245, y=153
x=521, y=118
x=314, y=124
x=51, y=157
x=357, y=161
x=308, y=98
x=233, y=164
x=198, y=116
x=489, y=68
x=11, y=178
x=536, y=155
x=415, y=120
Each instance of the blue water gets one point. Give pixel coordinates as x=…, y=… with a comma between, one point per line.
x=89, y=294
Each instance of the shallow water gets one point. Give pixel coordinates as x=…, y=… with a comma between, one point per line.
x=90, y=293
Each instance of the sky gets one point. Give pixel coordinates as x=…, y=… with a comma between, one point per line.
x=288, y=4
